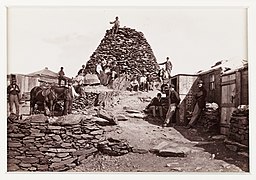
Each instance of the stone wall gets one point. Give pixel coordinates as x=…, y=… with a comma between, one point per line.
x=239, y=127
x=211, y=119
x=94, y=98
x=39, y=143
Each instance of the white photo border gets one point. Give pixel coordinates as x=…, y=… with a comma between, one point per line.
x=251, y=36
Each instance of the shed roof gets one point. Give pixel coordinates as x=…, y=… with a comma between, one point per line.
x=44, y=72
x=225, y=66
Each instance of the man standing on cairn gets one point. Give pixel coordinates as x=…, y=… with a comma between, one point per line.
x=116, y=26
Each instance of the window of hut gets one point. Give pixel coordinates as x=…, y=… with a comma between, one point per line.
x=212, y=82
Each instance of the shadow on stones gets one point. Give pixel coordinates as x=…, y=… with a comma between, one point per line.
x=154, y=120
x=216, y=147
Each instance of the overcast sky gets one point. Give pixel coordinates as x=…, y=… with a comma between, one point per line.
x=193, y=38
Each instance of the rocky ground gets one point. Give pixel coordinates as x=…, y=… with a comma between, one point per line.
x=157, y=149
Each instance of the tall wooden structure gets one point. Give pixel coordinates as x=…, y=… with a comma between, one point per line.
x=184, y=84
x=234, y=92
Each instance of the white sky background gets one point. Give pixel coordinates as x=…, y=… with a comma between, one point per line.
x=193, y=38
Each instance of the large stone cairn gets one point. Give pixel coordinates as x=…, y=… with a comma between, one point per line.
x=41, y=144
x=129, y=49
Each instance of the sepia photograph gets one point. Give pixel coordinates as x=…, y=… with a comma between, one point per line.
x=162, y=89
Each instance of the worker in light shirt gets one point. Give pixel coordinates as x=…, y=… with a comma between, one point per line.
x=143, y=82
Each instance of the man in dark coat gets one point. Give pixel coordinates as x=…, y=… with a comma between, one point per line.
x=13, y=91
x=200, y=96
x=156, y=105
x=82, y=71
x=61, y=76
x=174, y=101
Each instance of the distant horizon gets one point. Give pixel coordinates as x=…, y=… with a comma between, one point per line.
x=194, y=39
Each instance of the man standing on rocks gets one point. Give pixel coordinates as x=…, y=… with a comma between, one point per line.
x=174, y=100
x=143, y=82
x=69, y=94
x=168, y=66
x=114, y=71
x=200, y=96
x=13, y=91
x=99, y=68
x=61, y=76
x=82, y=71
x=116, y=26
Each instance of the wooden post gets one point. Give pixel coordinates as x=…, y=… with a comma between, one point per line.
x=238, y=89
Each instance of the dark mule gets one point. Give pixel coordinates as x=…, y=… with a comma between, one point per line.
x=42, y=97
x=57, y=94
x=47, y=97
x=36, y=97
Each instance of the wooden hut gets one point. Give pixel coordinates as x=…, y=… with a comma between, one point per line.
x=45, y=76
x=228, y=88
x=184, y=85
x=234, y=92
x=211, y=79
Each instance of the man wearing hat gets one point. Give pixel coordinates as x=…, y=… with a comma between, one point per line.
x=200, y=96
x=61, y=76
x=168, y=66
x=13, y=91
x=174, y=100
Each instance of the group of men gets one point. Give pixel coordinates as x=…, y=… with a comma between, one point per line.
x=142, y=82
x=107, y=71
x=156, y=105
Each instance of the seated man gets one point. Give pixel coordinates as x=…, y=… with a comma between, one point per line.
x=156, y=105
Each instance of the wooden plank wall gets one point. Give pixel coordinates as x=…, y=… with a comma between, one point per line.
x=185, y=87
x=234, y=93
x=215, y=94
x=244, y=87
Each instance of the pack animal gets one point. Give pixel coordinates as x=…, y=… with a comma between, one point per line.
x=37, y=97
x=47, y=97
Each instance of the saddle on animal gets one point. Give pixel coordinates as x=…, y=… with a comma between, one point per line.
x=46, y=92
